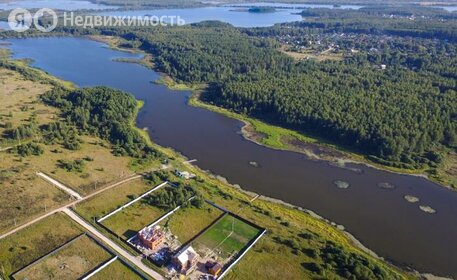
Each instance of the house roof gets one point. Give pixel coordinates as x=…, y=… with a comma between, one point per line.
x=187, y=255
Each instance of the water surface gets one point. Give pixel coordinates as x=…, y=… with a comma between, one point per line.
x=4, y=25
x=380, y=218
x=448, y=8
x=294, y=6
x=224, y=14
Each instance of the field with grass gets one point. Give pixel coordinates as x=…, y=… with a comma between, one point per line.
x=129, y=221
x=116, y=271
x=23, y=195
x=312, y=54
x=24, y=247
x=71, y=262
x=20, y=103
x=108, y=201
x=226, y=238
x=187, y=222
x=296, y=246
x=101, y=169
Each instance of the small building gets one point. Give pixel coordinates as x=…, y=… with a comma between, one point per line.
x=186, y=260
x=151, y=238
x=184, y=174
x=383, y=67
x=214, y=268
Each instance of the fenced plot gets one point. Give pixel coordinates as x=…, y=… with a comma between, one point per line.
x=130, y=218
x=188, y=222
x=117, y=270
x=72, y=261
x=37, y=240
x=226, y=238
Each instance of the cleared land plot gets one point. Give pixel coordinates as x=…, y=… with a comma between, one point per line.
x=110, y=200
x=225, y=238
x=130, y=220
x=116, y=271
x=20, y=102
x=187, y=222
x=102, y=169
x=31, y=243
x=23, y=195
x=71, y=262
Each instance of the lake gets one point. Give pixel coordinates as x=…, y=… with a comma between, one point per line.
x=224, y=14
x=379, y=217
x=68, y=5
x=4, y=25
x=447, y=8
x=294, y=6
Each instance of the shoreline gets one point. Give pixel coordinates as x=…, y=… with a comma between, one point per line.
x=167, y=81
x=194, y=100
x=248, y=135
x=357, y=245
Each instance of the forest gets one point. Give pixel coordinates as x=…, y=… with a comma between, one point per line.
x=98, y=111
x=391, y=96
x=397, y=116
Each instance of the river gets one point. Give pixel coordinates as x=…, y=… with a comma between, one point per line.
x=233, y=14
x=380, y=218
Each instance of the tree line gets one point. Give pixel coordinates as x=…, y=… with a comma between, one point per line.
x=99, y=111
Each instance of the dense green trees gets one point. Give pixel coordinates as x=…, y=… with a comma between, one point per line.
x=172, y=197
x=76, y=165
x=399, y=114
x=28, y=150
x=23, y=132
x=350, y=265
x=61, y=132
x=208, y=52
x=393, y=119
x=98, y=111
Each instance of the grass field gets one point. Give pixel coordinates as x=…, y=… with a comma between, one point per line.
x=71, y=262
x=22, y=194
x=108, y=201
x=132, y=219
x=129, y=221
x=187, y=222
x=20, y=102
x=31, y=243
x=227, y=237
x=116, y=271
x=294, y=238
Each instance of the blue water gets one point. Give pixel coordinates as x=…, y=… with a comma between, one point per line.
x=294, y=6
x=224, y=14
x=4, y=25
x=448, y=8
x=68, y=5
x=380, y=218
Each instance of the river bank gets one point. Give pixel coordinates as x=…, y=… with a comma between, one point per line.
x=216, y=143
x=288, y=140
x=281, y=220
x=284, y=139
